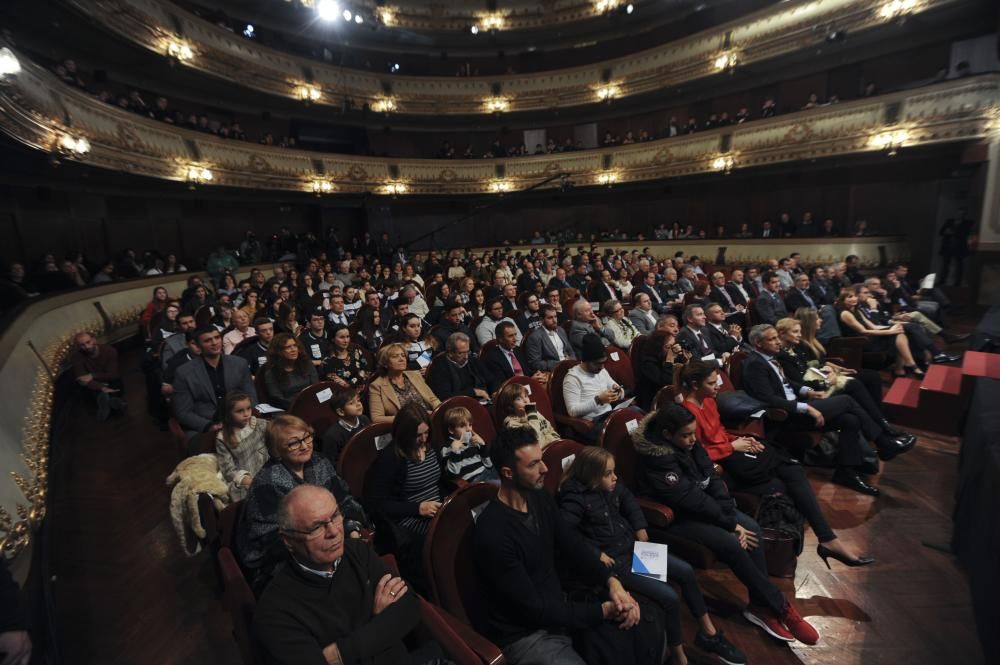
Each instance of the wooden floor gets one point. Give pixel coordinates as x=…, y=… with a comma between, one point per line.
x=126, y=594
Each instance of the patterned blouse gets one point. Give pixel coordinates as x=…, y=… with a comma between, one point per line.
x=353, y=369
x=409, y=394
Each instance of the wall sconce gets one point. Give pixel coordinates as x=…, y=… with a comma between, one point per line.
x=308, y=93
x=894, y=8
x=606, y=93
x=726, y=61
x=386, y=16
x=179, y=50
x=9, y=64
x=891, y=142
x=394, y=189
x=494, y=21
x=72, y=146
x=320, y=187
x=384, y=105
x=500, y=187
x=608, y=178
x=497, y=105
x=601, y=6
x=197, y=175
x=724, y=163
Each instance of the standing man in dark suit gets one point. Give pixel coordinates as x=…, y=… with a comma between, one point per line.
x=769, y=306
x=506, y=359
x=799, y=296
x=548, y=345
x=201, y=384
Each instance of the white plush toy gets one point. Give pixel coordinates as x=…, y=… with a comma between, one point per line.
x=193, y=476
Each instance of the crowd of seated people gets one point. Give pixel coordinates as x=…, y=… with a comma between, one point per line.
x=396, y=348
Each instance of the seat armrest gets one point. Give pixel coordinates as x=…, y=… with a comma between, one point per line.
x=580, y=425
x=486, y=650
x=656, y=514
x=776, y=415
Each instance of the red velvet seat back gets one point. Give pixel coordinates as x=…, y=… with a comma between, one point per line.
x=239, y=600
x=358, y=456
x=620, y=369
x=617, y=440
x=482, y=420
x=555, y=456
x=308, y=407
x=556, y=385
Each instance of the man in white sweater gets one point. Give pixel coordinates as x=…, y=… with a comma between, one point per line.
x=588, y=389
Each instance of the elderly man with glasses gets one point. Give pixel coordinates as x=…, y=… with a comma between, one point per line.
x=335, y=601
x=292, y=464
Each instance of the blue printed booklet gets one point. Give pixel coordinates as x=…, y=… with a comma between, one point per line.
x=650, y=560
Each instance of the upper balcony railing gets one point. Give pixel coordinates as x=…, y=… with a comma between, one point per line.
x=783, y=29
x=41, y=111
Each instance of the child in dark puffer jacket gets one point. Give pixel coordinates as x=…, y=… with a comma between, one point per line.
x=608, y=516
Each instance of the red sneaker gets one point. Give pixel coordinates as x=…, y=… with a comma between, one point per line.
x=799, y=627
x=766, y=620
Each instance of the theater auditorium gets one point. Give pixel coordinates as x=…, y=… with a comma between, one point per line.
x=483, y=332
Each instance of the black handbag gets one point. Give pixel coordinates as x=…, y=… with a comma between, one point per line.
x=783, y=528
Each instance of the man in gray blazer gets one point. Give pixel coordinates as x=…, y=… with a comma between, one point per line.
x=586, y=322
x=201, y=384
x=769, y=306
x=547, y=346
x=642, y=315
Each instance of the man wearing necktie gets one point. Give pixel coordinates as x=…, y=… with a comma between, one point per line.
x=694, y=339
x=506, y=359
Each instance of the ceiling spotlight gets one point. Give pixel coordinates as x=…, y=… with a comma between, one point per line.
x=630, y=8
x=474, y=29
x=9, y=64
x=327, y=9
x=359, y=19
x=347, y=15
x=248, y=31
x=394, y=67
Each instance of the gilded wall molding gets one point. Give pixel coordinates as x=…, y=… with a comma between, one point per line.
x=41, y=111
x=782, y=29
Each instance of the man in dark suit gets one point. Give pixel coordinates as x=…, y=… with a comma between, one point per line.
x=769, y=306
x=527, y=280
x=820, y=289
x=451, y=322
x=765, y=380
x=723, y=335
x=735, y=312
x=695, y=339
x=647, y=285
x=506, y=359
x=740, y=290
x=548, y=345
x=201, y=385
x=799, y=296
x=602, y=290
x=559, y=280
x=766, y=232
x=462, y=373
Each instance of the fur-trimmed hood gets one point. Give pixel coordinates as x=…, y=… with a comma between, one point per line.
x=650, y=443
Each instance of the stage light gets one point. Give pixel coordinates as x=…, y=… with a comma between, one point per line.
x=308, y=93
x=248, y=31
x=327, y=10
x=474, y=29
x=724, y=163
x=320, y=187
x=496, y=105
x=9, y=64
x=347, y=15
x=359, y=19
x=383, y=105
x=179, y=50
x=606, y=93
x=630, y=8
x=73, y=146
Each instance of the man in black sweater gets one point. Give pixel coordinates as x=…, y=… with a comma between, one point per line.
x=334, y=601
x=15, y=643
x=515, y=542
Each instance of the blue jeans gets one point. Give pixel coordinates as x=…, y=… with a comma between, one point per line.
x=680, y=573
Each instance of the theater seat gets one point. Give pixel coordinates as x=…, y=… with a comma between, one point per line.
x=308, y=407
x=359, y=454
x=565, y=423
x=229, y=520
x=556, y=458
x=619, y=366
x=636, y=349
x=450, y=569
x=538, y=393
x=851, y=353
x=485, y=348
x=240, y=602
x=482, y=420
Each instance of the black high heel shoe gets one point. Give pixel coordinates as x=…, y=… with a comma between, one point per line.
x=825, y=552
x=914, y=370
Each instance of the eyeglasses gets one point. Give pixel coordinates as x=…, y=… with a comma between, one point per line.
x=319, y=527
x=298, y=444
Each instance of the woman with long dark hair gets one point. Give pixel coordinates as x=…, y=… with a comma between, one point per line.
x=890, y=340
x=288, y=370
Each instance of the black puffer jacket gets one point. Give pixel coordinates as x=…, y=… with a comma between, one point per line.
x=606, y=520
x=685, y=481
